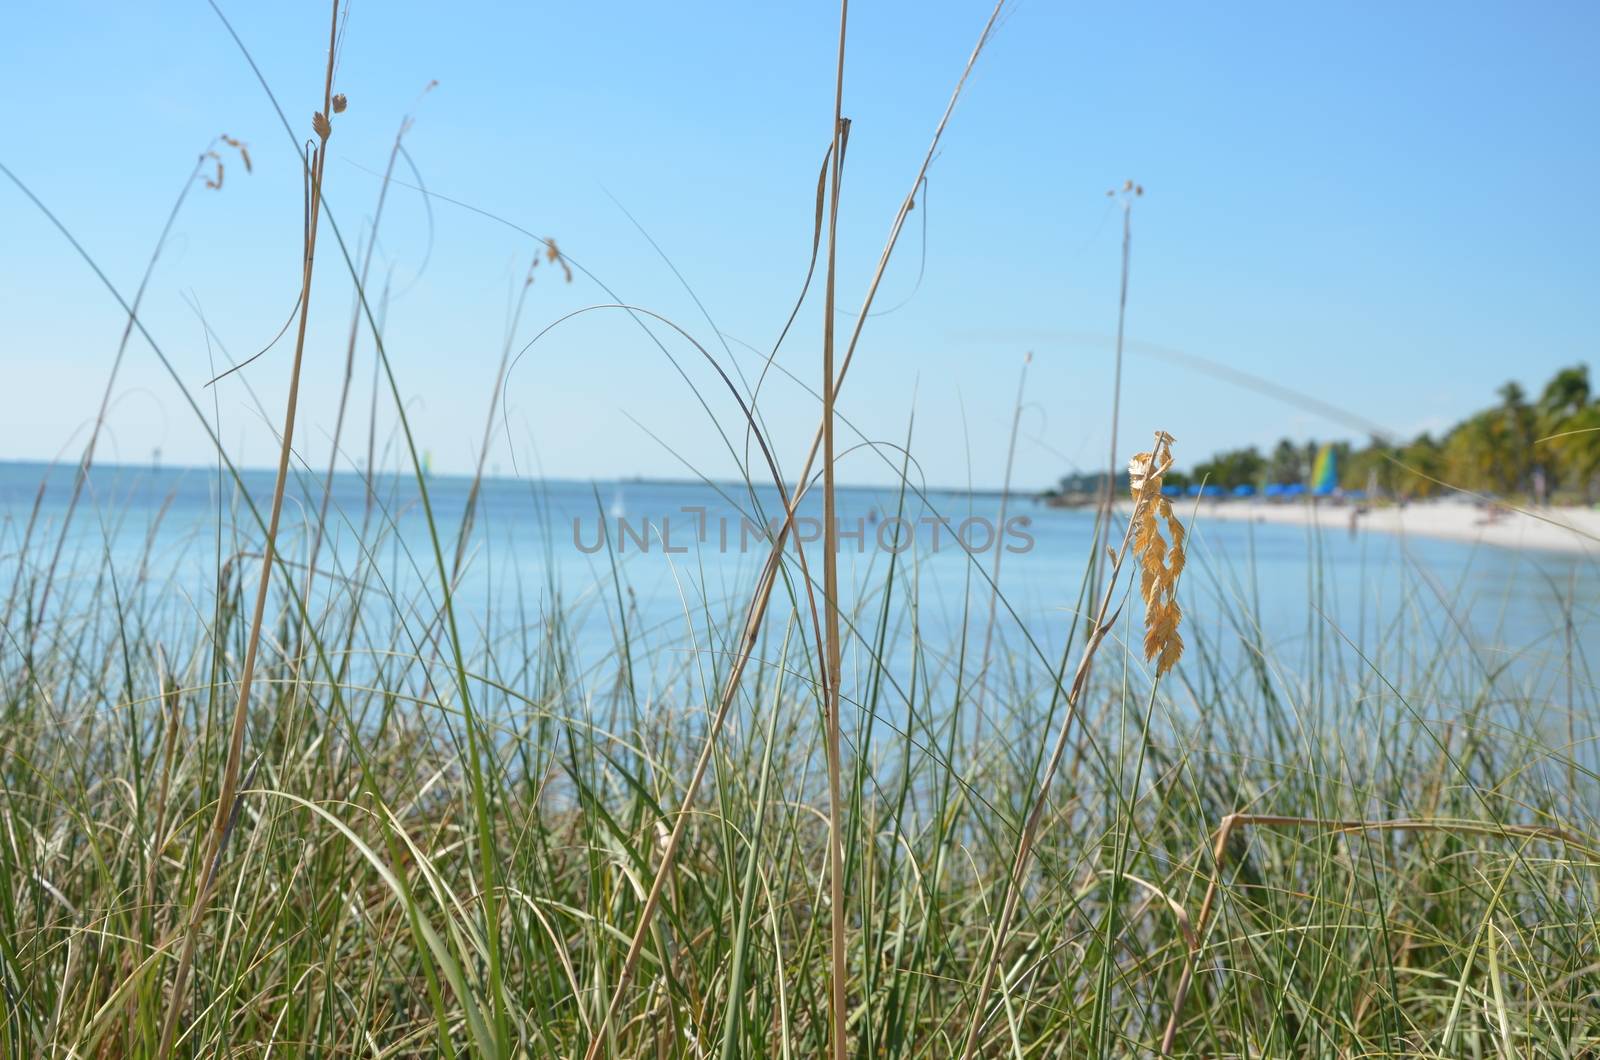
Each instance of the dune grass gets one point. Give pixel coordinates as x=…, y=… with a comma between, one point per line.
x=342, y=813
x=1389, y=854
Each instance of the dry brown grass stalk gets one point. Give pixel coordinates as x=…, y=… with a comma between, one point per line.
x=832, y=669
x=170, y=700
x=767, y=580
x=228, y=795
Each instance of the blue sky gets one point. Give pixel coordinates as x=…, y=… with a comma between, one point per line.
x=1385, y=205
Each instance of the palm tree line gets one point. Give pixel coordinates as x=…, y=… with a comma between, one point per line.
x=1544, y=451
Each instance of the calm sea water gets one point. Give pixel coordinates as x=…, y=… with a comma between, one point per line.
x=682, y=557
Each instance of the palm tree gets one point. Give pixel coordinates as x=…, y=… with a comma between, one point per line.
x=1423, y=467
x=1514, y=454
x=1566, y=394
x=1562, y=406
x=1285, y=467
x=1577, y=447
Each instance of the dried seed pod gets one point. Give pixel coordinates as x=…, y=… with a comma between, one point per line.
x=340, y=103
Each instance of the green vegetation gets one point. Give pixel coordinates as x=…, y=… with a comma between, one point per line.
x=329, y=813
x=351, y=915
x=1545, y=450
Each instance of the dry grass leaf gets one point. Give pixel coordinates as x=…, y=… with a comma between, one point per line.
x=239, y=146
x=553, y=253
x=214, y=183
x=1160, y=559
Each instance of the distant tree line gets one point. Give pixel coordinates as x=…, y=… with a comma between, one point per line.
x=1088, y=483
x=1545, y=449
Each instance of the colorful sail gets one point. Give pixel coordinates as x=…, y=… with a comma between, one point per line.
x=1324, y=472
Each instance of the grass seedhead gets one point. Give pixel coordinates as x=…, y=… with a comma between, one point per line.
x=1160, y=560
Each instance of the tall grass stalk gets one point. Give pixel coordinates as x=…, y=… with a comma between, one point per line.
x=334, y=451
x=226, y=798
x=1126, y=195
x=994, y=573
x=832, y=670
x=756, y=612
x=1099, y=628
x=86, y=462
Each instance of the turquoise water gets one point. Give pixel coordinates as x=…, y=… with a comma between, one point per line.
x=683, y=575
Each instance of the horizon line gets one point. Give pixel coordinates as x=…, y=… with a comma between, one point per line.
x=620, y=480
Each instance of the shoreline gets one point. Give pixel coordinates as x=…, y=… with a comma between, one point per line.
x=1571, y=530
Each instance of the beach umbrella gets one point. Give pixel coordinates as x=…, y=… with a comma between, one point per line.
x=1244, y=489
x=1193, y=491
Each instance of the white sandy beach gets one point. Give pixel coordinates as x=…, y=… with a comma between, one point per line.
x=1553, y=529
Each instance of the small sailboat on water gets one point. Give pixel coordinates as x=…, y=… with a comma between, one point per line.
x=1324, y=473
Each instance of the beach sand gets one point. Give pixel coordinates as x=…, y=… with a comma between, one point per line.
x=1553, y=529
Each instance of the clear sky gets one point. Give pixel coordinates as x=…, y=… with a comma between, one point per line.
x=1389, y=206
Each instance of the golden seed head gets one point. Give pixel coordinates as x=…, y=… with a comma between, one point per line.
x=1161, y=563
